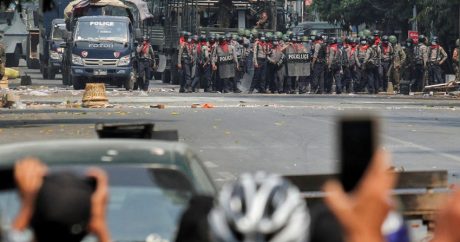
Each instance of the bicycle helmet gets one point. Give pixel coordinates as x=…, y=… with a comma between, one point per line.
x=259, y=208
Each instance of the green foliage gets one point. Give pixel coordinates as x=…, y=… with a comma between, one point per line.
x=438, y=17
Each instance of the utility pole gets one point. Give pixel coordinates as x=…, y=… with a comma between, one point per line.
x=414, y=14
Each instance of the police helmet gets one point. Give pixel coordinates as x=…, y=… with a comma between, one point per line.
x=255, y=33
x=348, y=40
x=385, y=39
x=240, y=39
x=278, y=34
x=332, y=40
x=376, y=33
x=370, y=40
x=366, y=33
x=393, y=39
x=182, y=33
x=235, y=37
x=355, y=40
x=203, y=38
x=305, y=39
x=363, y=40
x=434, y=40
x=195, y=38
x=263, y=38
x=212, y=37
x=421, y=38
x=285, y=38
x=241, y=32
x=145, y=38
x=220, y=37
x=247, y=33
x=262, y=34
x=318, y=37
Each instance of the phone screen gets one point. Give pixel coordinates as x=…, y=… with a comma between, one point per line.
x=357, y=146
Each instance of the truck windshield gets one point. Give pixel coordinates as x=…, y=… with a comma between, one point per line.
x=58, y=30
x=102, y=31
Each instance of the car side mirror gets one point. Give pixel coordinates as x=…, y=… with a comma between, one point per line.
x=63, y=45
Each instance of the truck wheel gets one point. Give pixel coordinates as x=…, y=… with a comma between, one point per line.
x=78, y=83
x=51, y=73
x=129, y=82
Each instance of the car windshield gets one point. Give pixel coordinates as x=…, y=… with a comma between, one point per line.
x=102, y=31
x=58, y=31
x=143, y=203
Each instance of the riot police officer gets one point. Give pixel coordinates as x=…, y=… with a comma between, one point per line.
x=408, y=70
x=334, y=64
x=387, y=58
x=277, y=59
x=399, y=59
x=187, y=54
x=260, y=64
x=421, y=62
x=372, y=63
x=360, y=57
x=436, y=57
x=146, y=59
x=224, y=61
x=319, y=64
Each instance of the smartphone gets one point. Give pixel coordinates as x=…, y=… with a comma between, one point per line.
x=358, y=142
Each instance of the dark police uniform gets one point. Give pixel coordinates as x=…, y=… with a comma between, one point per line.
x=225, y=61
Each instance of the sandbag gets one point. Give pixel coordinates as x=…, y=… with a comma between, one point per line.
x=11, y=73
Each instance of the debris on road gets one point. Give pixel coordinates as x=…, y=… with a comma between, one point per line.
x=4, y=83
x=26, y=80
x=95, y=96
x=208, y=105
x=39, y=93
x=444, y=87
x=9, y=100
x=159, y=106
x=11, y=73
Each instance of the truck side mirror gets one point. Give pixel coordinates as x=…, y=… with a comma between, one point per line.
x=138, y=34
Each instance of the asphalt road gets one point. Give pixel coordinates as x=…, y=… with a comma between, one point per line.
x=243, y=133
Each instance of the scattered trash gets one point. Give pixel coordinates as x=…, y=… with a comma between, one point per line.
x=38, y=93
x=174, y=113
x=26, y=80
x=195, y=105
x=208, y=105
x=159, y=106
x=11, y=73
x=9, y=100
x=4, y=83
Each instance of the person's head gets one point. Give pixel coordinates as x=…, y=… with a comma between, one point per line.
x=62, y=208
x=145, y=39
x=221, y=39
x=421, y=39
x=261, y=206
x=332, y=41
x=354, y=42
x=385, y=40
x=393, y=39
x=409, y=42
x=363, y=41
x=434, y=40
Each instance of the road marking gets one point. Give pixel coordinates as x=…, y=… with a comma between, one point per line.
x=403, y=142
x=210, y=164
x=225, y=176
x=423, y=148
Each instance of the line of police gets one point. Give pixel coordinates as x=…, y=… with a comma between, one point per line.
x=277, y=63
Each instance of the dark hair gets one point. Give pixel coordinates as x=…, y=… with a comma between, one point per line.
x=194, y=225
x=62, y=209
